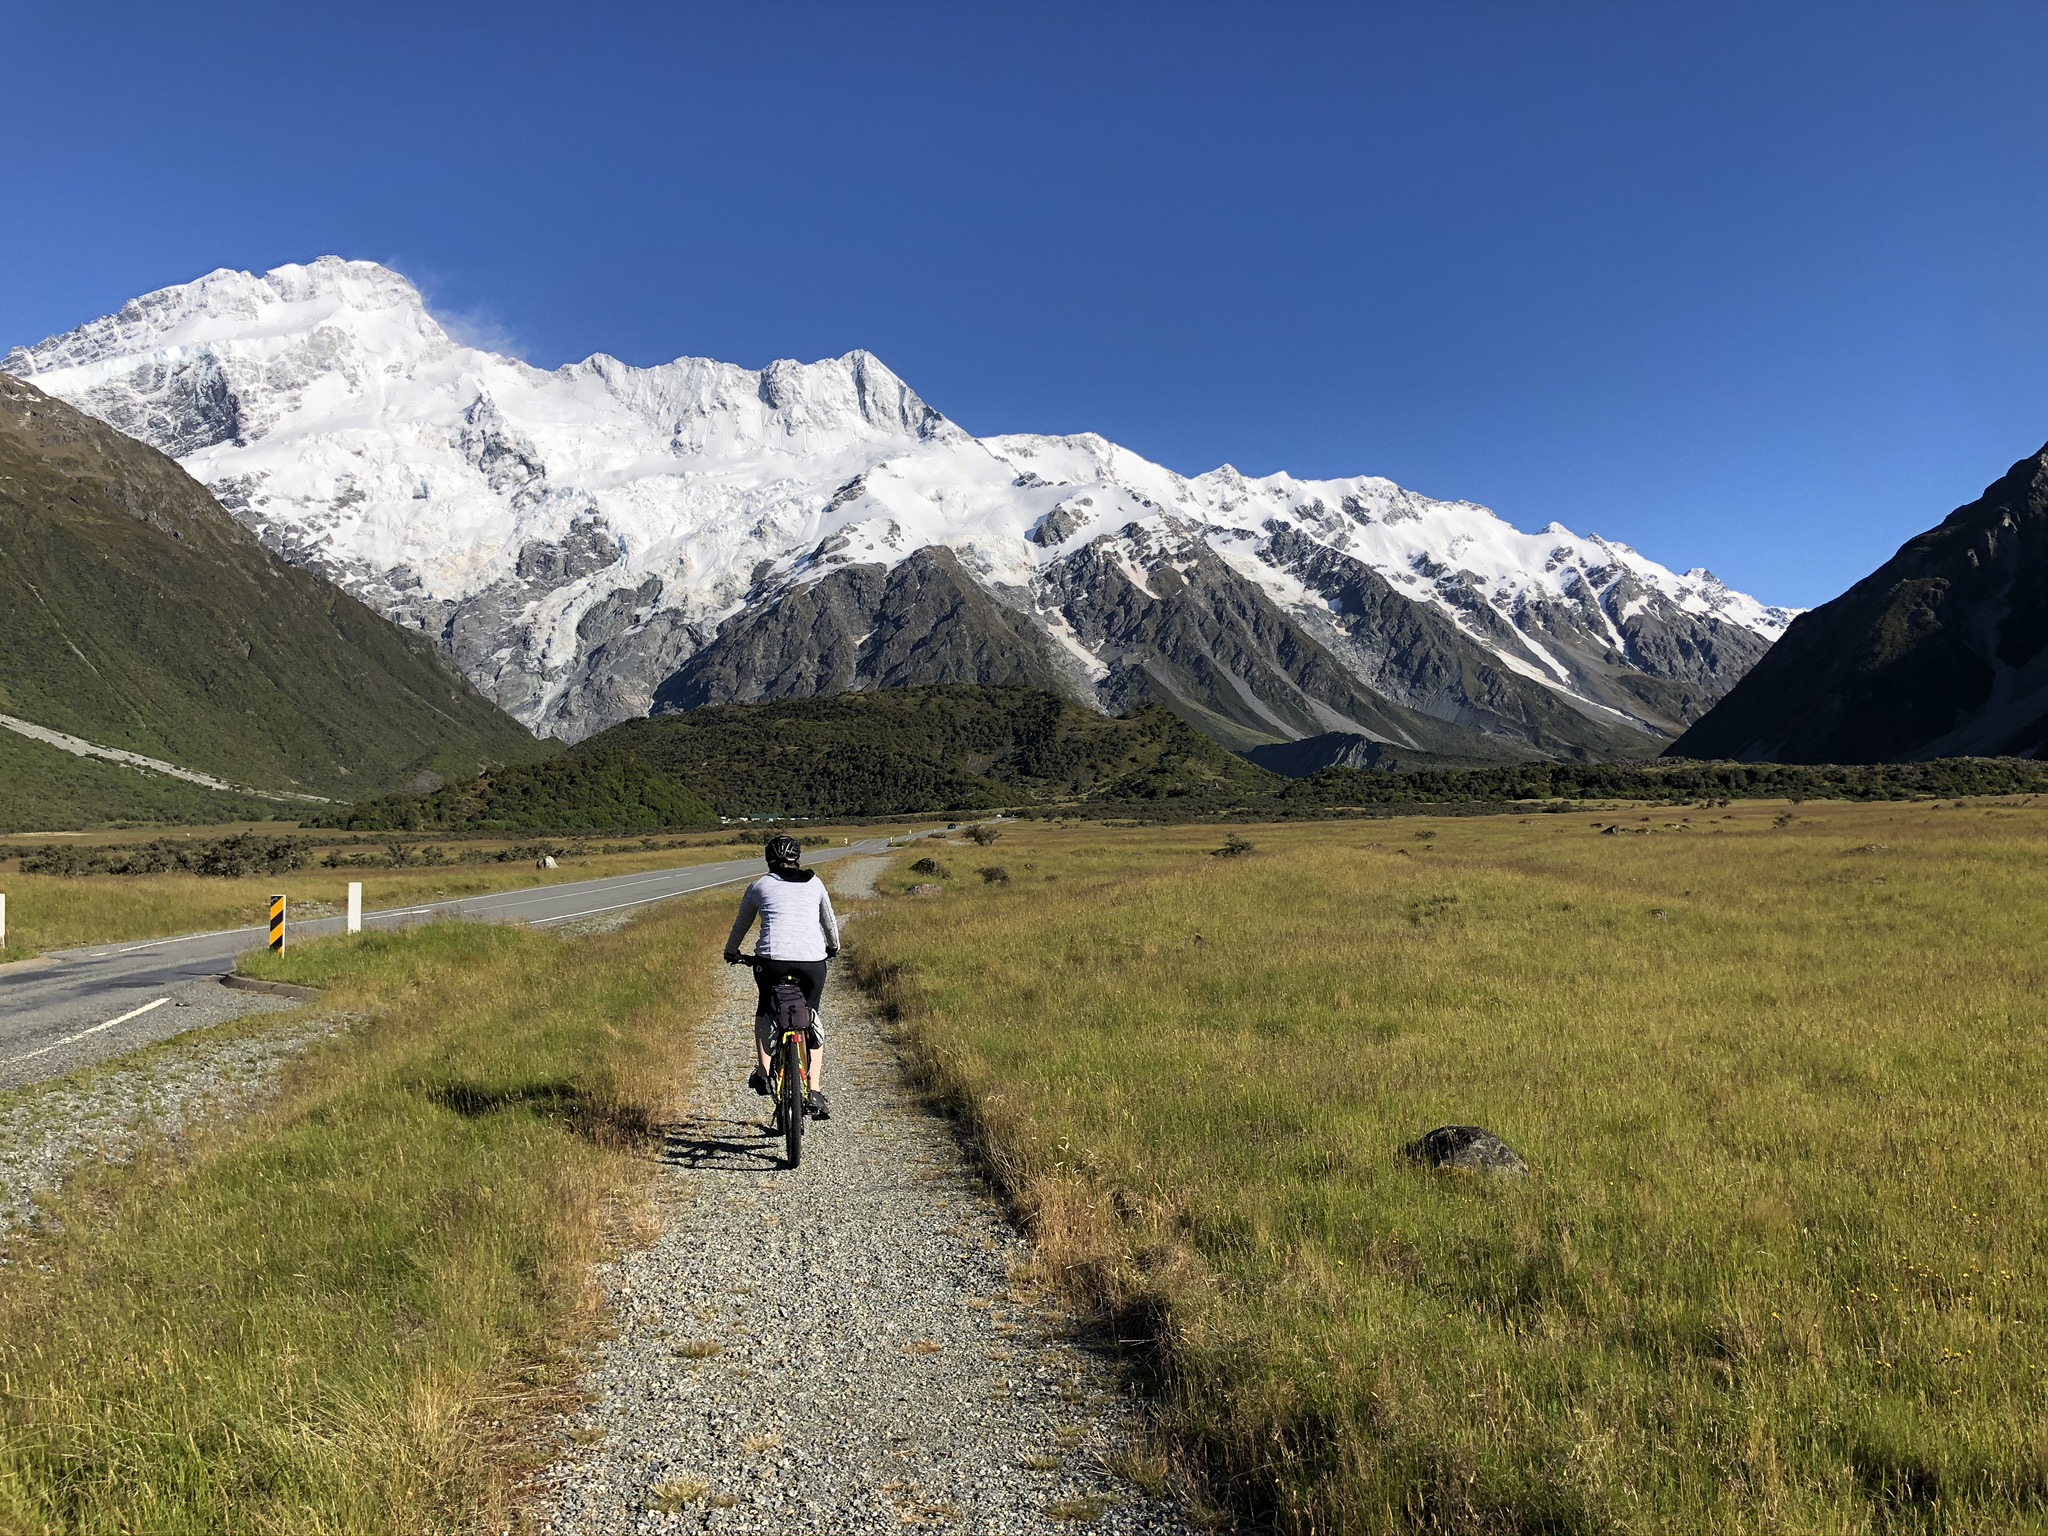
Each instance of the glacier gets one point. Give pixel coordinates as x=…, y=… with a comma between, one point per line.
x=594, y=541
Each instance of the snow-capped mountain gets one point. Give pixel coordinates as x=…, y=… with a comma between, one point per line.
x=594, y=541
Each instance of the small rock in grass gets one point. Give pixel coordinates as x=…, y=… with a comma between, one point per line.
x=927, y=888
x=1465, y=1149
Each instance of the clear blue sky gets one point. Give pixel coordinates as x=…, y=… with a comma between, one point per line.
x=1757, y=287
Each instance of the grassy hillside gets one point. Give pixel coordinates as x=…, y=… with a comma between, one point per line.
x=593, y=790
x=898, y=751
x=968, y=747
x=136, y=613
x=958, y=746
x=43, y=789
x=1783, y=1086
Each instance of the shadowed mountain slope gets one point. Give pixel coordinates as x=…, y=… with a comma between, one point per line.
x=137, y=614
x=1940, y=652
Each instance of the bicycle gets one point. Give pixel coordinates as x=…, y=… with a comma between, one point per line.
x=789, y=1065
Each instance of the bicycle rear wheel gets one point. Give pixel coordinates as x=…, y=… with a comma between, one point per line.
x=792, y=1101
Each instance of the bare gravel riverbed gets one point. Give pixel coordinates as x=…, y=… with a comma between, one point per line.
x=853, y=1346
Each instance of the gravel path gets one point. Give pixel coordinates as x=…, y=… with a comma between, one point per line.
x=854, y=1346
x=854, y=880
x=47, y=1129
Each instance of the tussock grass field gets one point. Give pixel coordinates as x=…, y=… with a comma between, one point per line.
x=1782, y=1265
x=334, y=1314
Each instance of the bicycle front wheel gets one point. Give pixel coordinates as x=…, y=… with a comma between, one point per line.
x=793, y=1086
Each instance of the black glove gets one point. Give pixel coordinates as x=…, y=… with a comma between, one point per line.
x=732, y=957
x=831, y=951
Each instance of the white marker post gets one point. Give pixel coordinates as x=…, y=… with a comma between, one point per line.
x=355, y=906
x=3, y=919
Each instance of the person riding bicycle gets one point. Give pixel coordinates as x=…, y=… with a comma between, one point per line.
x=799, y=933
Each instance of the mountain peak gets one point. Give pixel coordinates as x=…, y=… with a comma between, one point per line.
x=573, y=535
x=227, y=304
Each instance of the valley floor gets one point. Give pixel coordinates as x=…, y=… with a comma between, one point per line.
x=1779, y=1070
x=54, y=912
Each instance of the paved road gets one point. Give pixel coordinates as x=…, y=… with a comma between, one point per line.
x=75, y=1006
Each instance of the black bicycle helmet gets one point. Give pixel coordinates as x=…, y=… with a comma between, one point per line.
x=784, y=852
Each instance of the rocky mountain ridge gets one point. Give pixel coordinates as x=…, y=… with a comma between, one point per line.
x=1940, y=652
x=597, y=541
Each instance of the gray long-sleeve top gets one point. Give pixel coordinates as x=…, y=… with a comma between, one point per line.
x=796, y=917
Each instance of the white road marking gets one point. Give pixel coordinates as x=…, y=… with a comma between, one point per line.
x=133, y=1013
x=554, y=893
x=542, y=922
x=217, y=933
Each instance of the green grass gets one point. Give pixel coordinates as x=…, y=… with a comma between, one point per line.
x=890, y=752
x=312, y=1318
x=1782, y=1265
x=584, y=791
x=43, y=788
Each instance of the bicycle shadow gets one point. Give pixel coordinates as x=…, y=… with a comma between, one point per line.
x=721, y=1145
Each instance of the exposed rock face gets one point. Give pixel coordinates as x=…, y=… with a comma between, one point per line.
x=1464, y=1149
x=584, y=541
x=1940, y=652
x=1177, y=625
x=1422, y=657
x=1312, y=754
x=868, y=626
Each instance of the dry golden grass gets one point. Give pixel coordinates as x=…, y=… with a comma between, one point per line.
x=46, y=912
x=337, y=1314
x=1782, y=1265
x=679, y=1493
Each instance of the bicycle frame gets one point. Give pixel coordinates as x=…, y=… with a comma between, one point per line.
x=803, y=1060
x=792, y=1044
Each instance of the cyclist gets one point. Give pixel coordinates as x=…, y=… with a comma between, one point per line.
x=799, y=933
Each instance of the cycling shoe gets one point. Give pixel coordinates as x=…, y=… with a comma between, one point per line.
x=817, y=1106
x=757, y=1082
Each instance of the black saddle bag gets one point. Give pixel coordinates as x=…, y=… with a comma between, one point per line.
x=791, y=1013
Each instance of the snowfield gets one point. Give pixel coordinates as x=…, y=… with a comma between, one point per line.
x=502, y=506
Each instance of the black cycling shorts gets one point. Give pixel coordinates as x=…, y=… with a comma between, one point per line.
x=809, y=975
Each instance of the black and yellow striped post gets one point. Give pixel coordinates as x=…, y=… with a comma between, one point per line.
x=276, y=924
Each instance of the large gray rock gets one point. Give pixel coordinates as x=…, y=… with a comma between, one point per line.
x=1464, y=1149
